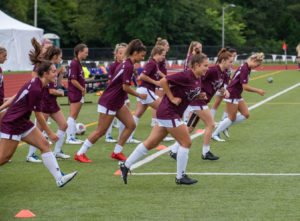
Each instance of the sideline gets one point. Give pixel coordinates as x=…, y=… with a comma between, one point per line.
x=223, y=174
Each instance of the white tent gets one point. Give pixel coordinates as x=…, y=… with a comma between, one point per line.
x=16, y=37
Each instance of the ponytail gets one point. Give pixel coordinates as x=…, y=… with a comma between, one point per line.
x=35, y=55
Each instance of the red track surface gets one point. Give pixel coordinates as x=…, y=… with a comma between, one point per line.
x=13, y=82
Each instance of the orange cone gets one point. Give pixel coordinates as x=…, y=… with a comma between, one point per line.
x=199, y=131
x=25, y=213
x=118, y=173
x=161, y=147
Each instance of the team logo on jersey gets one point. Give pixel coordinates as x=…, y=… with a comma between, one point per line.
x=193, y=93
x=217, y=84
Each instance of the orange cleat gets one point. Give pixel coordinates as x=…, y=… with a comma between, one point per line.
x=82, y=158
x=118, y=156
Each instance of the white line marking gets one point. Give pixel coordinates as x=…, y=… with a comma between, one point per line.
x=157, y=154
x=223, y=174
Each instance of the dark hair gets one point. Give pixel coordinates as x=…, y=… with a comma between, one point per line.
x=197, y=59
x=231, y=50
x=223, y=54
x=44, y=66
x=35, y=55
x=157, y=50
x=79, y=47
x=51, y=52
x=2, y=49
x=161, y=42
x=135, y=45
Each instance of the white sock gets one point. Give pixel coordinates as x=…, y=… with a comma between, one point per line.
x=121, y=128
x=136, y=120
x=182, y=159
x=205, y=149
x=153, y=121
x=32, y=150
x=50, y=162
x=61, y=137
x=118, y=149
x=174, y=147
x=85, y=146
x=224, y=115
x=70, y=131
x=213, y=112
x=222, y=126
x=239, y=118
x=138, y=153
x=108, y=132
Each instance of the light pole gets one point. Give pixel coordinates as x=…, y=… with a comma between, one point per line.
x=35, y=13
x=223, y=18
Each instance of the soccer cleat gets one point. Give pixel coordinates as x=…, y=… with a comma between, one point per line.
x=65, y=179
x=218, y=138
x=82, y=158
x=167, y=138
x=61, y=155
x=110, y=140
x=118, y=156
x=115, y=126
x=33, y=159
x=133, y=140
x=73, y=141
x=81, y=141
x=173, y=155
x=225, y=132
x=209, y=156
x=185, y=180
x=124, y=171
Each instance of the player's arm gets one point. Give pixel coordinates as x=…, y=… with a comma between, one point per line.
x=55, y=92
x=144, y=77
x=78, y=86
x=129, y=90
x=252, y=89
x=165, y=85
x=7, y=103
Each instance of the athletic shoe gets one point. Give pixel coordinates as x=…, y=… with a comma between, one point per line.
x=133, y=140
x=218, y=138
x=33, y=159
x=124, y=171
x=65, y=179
x=115, y=126
x=209, y=156
x=185, y=180
x=61, y=155
x=110, y=140
x=217, y=124
x=173, y=155
x=79, y=140
x=82, y=158
x=73, y=141
x=118, y=156
x=167, y=138
x=225, y=132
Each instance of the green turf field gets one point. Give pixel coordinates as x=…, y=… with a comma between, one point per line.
x=266, y=143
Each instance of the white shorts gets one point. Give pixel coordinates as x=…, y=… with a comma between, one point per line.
x=219, y=94
x=17, y=137
x=151, y=96
x=82, y=100
x=169, y=123
x=104, y=110
x=5, y=109
x=233, y=101
x=127, y=101
x=159, y=88
x=193, y=108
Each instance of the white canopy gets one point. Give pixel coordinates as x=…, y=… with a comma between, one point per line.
x=16, y=37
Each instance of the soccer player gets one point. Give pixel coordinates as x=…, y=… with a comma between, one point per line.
x=112, y=103
x=194, y=48
x=3, y=58
x=235, y=101
x=298, y=55
x=76, y=91
x=149, y=81
x=180, y=89
x=16, y=124
x=212, y=82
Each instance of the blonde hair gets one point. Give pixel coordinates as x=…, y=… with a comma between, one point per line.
x=192, y=46
x=161, y=42
x=2, y=49
x=119, y=46
x=257, y=56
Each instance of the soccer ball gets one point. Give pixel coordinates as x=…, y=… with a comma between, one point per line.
x=80, y=129
x=270, y=79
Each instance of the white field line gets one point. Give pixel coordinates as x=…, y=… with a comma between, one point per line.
x=223, y=174
x=157, y=154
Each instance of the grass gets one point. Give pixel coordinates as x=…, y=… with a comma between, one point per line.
x=266, y=143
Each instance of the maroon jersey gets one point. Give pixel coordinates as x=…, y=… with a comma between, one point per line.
x=240, y=77
x=112, y=69
x=162, y=66
x=227, y=78
x=187, y=60
x=1, y=88
x=17, y=118
x=184, y=85
x=49, y=104
x=151, y=70
x=212, y=81
x=76, y=73
x=114, y=96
